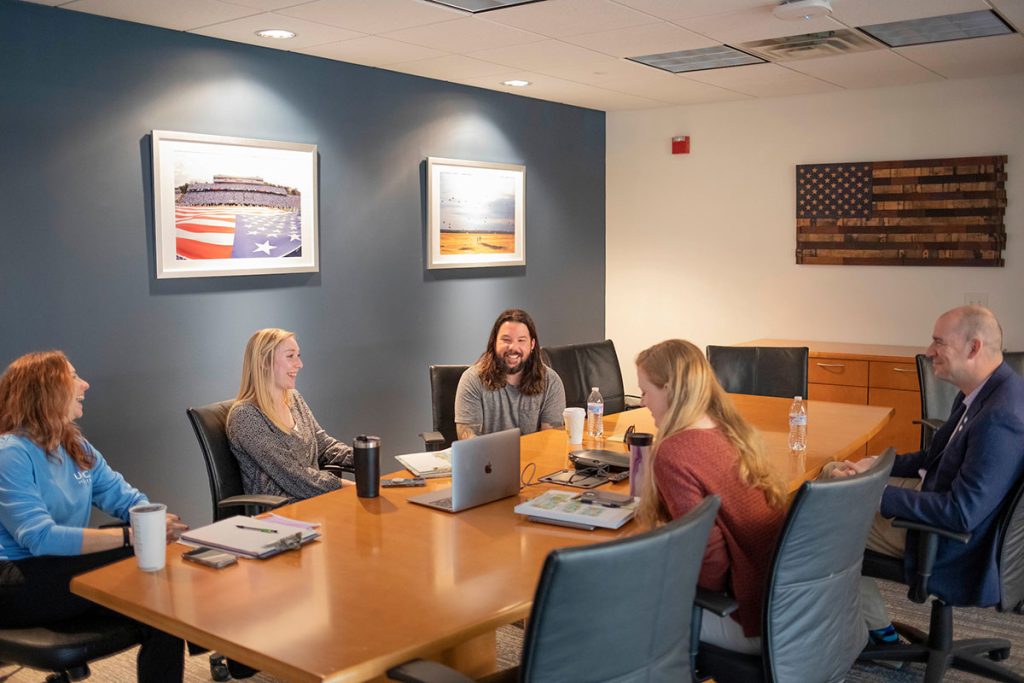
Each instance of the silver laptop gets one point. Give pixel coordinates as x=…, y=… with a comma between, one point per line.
x=484, y=468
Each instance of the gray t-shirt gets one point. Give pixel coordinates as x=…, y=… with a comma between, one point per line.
x=505, y=408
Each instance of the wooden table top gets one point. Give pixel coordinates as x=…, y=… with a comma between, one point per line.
x=389, y=580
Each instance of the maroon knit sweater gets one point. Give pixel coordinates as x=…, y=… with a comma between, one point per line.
x=695, y=463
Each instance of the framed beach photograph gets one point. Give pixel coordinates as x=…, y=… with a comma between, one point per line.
x=476, y=214
x=233, y=206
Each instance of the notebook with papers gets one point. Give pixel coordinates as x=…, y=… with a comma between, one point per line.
x=484, y=468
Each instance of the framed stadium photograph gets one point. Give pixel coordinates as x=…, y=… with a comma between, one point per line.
x=476, y=214
x=233, y=206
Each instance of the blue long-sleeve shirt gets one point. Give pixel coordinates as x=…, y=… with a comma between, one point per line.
x=45, y=502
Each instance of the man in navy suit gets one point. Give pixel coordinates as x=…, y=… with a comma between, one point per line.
x=961, y=482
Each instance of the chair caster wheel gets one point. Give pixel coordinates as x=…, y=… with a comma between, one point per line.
x=999, y=655
x=219, y=668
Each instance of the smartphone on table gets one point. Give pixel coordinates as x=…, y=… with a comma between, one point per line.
x=211, y=557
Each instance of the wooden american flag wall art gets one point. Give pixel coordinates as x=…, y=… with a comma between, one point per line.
x=930, y=212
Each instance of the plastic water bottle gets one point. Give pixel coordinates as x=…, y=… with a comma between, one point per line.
x=798, y=425
x=595, y=414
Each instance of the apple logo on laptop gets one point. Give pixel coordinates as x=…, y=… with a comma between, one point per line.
x=488, y=468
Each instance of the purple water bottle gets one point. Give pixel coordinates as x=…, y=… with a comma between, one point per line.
x=639, y=444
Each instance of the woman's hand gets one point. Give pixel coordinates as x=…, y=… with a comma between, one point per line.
x=175, y=527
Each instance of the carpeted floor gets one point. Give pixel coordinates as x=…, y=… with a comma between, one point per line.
x=968, y=622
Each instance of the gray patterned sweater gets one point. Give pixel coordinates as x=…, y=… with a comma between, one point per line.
x=280, y=464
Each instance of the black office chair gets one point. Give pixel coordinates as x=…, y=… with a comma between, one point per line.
x=811, y=628
x=616, y=611
x=1015, y=359
x=937, y=647
x=761, y=370
x=226, y=492
x=936, y=400
x=584, y=366
x=67, y=647
x=227, y=495
x=444, y=382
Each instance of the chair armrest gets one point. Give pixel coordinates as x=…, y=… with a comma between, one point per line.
x=721, y=604
x=945, y=533
x=339, y=470
x=927, y=547
x=931, y=424
x=632, y=402
x=425, y=671
x=433, y=441
x=264, y=502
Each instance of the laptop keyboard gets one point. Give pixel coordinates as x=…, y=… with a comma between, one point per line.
x=445, y=503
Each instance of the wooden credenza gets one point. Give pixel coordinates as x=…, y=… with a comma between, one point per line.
x=866, y=374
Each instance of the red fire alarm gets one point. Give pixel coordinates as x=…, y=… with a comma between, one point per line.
x=681, y=144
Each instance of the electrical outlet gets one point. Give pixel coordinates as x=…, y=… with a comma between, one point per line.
x=976, y=299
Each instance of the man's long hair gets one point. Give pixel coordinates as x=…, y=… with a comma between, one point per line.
x=492, y=368
x=36, y=392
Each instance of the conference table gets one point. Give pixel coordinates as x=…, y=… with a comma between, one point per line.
x=389, y=581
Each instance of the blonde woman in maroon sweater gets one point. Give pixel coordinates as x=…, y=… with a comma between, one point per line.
x=705, y=447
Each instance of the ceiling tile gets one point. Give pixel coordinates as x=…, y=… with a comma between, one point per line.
x=557, y=90
x=559, y=18
x=464, y=35
x=762, y=80
x=372, y=51
x=674, y=10
x=667, y=87
x=373, y=16
x=306, y=33
x=544, y=55
x=1012, y=11
x=642, y=40
x=266, y=5
x=877, y=69
x=756, y=23
x=867, y=12
x=974, y=58
x=179, y=15
x=449, y=68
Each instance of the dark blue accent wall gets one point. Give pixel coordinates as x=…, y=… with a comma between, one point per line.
x=79, y=97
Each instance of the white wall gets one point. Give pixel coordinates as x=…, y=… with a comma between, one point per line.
x=702, y=246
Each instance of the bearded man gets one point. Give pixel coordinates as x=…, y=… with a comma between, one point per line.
x=509, y=386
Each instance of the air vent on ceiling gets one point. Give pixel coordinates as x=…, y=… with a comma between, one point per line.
x=717, y=57
x=980, y=24
x=811, y=45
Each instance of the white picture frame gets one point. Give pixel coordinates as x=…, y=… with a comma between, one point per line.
x=226, y=206
x=476, y=214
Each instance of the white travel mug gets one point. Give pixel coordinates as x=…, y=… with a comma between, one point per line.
x=149, y=528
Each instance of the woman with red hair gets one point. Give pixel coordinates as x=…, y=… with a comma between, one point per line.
x=50, y=478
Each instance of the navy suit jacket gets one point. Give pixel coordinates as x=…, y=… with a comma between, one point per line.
x=970, y=475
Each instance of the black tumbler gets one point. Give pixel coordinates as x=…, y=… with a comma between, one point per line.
x=366, y=460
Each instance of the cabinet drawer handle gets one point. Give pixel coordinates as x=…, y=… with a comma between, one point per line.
x=831, y=365
x=904, y=370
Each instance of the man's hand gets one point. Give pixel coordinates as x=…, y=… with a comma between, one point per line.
x=849, y=468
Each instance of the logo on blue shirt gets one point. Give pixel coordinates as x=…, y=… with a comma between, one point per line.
x=84, y=477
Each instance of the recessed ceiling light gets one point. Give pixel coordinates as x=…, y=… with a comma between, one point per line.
x=516, y=83
x=275, y=33
x=717, y=57
x=475, y=6
x=938, y=29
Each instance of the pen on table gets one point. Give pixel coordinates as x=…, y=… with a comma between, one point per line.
x=254, y=528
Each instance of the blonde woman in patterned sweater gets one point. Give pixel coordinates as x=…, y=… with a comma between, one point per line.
x=705, y=447
x=279, y=445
